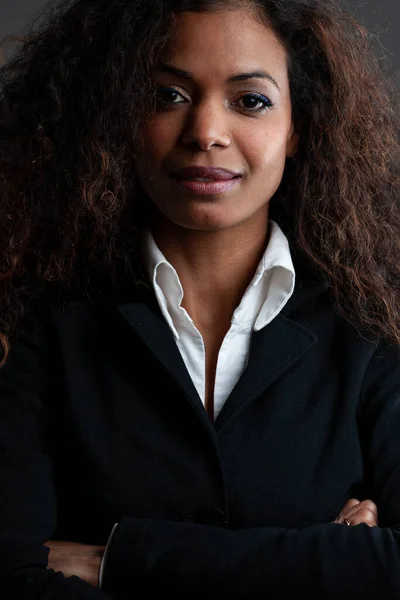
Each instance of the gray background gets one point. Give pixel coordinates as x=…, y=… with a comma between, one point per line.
x=380, y=16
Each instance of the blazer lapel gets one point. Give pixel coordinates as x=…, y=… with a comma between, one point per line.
x=147, y=321
x=274, y=349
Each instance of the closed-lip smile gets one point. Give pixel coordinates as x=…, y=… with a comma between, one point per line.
x=213, y=173
x=207, y=181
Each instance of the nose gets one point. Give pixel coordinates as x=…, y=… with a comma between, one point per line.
x=206, y=126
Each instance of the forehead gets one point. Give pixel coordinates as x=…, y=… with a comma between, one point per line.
x=221, y=41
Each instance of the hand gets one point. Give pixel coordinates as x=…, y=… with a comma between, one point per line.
x=357, y=512
x=72, y=558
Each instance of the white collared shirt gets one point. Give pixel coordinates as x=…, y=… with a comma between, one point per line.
x=268, y=292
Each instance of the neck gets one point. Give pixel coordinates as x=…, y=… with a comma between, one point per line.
x=214, y=267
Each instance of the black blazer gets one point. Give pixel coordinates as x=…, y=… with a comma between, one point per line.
x=100, y=423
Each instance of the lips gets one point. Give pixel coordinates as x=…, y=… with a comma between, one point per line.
x=214, y=173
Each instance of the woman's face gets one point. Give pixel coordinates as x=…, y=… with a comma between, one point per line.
x=208, y=116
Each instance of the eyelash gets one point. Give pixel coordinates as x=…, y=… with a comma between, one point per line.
x=267, y=104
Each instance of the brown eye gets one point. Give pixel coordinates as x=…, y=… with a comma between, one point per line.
x=250, y=102
x=168, y=95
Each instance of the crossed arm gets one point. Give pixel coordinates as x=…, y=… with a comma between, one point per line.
x=81, y=560
x=327, y=560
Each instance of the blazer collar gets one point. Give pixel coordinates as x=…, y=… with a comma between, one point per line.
x=274, y=350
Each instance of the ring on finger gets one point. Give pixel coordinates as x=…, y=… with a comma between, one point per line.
x=347, y=522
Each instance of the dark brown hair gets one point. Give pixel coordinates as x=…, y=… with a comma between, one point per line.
x=72, y=102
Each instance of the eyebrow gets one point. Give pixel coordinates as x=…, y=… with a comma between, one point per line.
x=233, y=78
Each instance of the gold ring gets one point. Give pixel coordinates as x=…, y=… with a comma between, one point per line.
x=347, y=522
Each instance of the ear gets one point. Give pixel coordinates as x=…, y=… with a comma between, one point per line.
x=292, y=142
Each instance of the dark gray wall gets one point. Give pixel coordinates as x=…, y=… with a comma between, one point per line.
x=378, y=15
x=14, y=14
x=383, y=18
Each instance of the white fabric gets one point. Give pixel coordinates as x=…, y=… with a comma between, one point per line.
x=105, y=555
x=268, y=292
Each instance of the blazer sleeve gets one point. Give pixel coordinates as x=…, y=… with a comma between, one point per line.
x=28, y=510
x=328, y=561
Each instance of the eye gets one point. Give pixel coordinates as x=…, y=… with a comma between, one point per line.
x=253, y=99
x=166, y=95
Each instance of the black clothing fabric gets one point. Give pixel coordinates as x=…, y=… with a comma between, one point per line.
x=100, y=423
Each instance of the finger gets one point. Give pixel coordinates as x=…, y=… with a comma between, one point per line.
x=94, y=550
x=364, y=505
x=359, y=513
x=73, y=547
x=371, y=506
x=350, y=504
x=56, y=544
x=365, y=516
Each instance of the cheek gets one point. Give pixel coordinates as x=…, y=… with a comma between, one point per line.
x=160, y=135
x=265, y=149
x=159, y=143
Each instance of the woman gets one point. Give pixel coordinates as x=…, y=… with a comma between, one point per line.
x=199, y=290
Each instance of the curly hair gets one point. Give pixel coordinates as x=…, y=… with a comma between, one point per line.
x=74, y=98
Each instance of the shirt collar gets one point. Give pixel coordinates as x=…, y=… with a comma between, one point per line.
x=277, y=253
x=164, y=279
x=276, y=264
x=277, y=267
